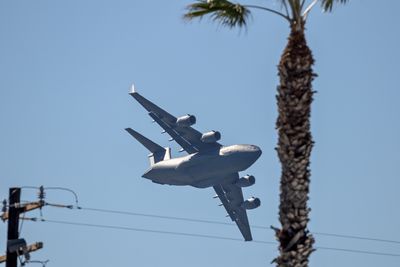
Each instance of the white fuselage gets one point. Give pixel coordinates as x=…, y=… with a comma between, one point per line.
x=204, y=169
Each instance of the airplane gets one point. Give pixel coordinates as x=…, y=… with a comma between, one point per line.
x=208, y=163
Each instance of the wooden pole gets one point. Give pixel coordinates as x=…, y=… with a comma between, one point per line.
x=13, y=223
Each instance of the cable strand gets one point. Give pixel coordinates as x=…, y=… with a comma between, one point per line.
x=231, y=224
x=207, y=236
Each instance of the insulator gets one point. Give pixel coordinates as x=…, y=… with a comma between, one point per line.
x=41, y=194
x=4, y=209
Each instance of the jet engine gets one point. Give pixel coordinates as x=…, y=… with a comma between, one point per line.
x=246, y=181
x=210, y=137
x=251, y=203
x=186, y=121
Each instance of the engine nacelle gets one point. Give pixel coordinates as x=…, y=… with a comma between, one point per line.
x=210, y=137
x=251, y=203
x=246, y=181
x=186, y=121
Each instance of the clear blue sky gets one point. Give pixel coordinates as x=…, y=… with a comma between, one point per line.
x=65, y=71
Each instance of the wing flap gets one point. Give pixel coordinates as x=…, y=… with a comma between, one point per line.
x=220, y=192
x=187, y=137
x=151, y=107
x=231, y=197
x=185, y=144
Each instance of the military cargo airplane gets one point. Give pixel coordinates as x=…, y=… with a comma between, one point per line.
x=208, y=163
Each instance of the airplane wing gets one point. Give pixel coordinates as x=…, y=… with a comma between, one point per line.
x=231, y=197
x=187, y=137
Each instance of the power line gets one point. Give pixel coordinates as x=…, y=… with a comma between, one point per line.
x=195, y=220
x=207, y=236
x=155, y=216
x=231, y=224
x=360, y=251
x=199, y=221
x=358, y=237
x=41, y=188
x=147, y=230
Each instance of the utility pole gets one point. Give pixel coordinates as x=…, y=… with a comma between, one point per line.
x=17, y=246
x=13, y=224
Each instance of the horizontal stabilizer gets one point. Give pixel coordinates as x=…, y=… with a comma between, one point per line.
x=150, y=145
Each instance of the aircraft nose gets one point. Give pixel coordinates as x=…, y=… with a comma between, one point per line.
x=149, y=174
x=256, y=151
x=253, y=151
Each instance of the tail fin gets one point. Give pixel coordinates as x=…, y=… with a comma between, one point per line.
x=158, y=153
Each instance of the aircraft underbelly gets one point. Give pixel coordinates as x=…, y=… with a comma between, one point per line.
x=190, y=175
x=206, y=170
x=171, y=176
x=199, y=170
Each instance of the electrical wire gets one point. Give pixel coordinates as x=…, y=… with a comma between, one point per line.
x=64, y=189
x=147, y=230
x=231, y=224
x=358, y=237
x=360, y=251
x=22, y=223
x=53, y=188
x=199, y=221
x=129, y=213
x=196, y=220
x=208, y=236
x=43, y=263
x=155, y=216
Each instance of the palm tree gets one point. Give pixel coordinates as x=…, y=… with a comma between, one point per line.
x=294, y=98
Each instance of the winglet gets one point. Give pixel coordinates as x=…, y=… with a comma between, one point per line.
x=132, y=91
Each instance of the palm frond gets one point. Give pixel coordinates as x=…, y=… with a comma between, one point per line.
x=226, y=13
x=327, y=5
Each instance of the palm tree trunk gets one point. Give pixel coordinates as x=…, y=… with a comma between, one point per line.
x=294, y=99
